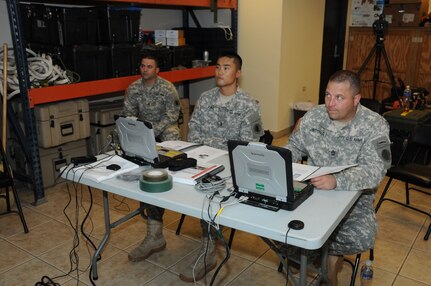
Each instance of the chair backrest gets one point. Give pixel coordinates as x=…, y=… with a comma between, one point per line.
x=422, y=135
x=266, y=137
x=420, y=144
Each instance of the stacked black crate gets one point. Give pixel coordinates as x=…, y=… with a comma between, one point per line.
x=94, y=42
x=119, y=29
x=213, y=40
x=70, y=35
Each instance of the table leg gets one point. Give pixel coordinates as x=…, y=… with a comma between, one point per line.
x=324, y=265
x=303, y=268
x=106, y=237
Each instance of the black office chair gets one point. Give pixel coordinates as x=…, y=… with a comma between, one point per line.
x=6, y=182
x=266, y=138
x=414, y=168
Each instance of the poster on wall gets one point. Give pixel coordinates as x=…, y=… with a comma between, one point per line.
x=365, y=12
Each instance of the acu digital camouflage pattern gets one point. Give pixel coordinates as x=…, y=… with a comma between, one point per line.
x=363, y=141
x=158, y=104
x=214, y=123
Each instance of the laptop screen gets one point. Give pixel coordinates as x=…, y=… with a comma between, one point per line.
x=261, y=169
x=137, y=138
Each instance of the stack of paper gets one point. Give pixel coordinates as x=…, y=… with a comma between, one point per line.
x=190, y=176
x=98, y=172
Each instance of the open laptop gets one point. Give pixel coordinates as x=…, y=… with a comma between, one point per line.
x=263, y=173
x=138, y=143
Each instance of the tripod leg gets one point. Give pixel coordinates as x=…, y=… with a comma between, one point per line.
x=376, y=73
x=367, y=59
x=390, y=73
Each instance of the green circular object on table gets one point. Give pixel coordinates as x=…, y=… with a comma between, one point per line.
x=155, y=181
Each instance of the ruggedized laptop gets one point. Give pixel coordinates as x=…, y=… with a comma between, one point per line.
x=138, y=143
x=263, y=173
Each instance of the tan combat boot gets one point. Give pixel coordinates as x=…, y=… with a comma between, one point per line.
x=153, y=242
x=197, y=266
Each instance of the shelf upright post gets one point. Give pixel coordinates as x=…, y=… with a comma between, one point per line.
x=24, y=85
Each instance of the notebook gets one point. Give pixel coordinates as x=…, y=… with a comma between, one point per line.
x=138, y=143
x=263, y=173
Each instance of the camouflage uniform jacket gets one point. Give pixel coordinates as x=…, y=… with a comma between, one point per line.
x=363, y=141
x=158, y=104
x=213, y=123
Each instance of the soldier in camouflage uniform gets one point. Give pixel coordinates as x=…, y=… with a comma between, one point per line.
x=343, y=132
x=153, y=99
x=223, y=113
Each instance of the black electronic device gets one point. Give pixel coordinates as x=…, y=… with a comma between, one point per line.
x=296, y=224
x=182, y=163
x=83, y=160
x=113, y=167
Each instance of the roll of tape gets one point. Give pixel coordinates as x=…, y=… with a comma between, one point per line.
x=155, y=175
x=155, y=181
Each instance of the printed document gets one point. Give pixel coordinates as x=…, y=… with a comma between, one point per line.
x=306, y=172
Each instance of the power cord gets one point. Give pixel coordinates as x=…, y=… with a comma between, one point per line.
x=42, y=71
x=228, y=34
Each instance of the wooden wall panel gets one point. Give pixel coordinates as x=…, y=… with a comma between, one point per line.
x=409, y=53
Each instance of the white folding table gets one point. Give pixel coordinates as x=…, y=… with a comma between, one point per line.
x=321, y=213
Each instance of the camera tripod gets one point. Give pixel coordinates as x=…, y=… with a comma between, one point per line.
x=378, y=50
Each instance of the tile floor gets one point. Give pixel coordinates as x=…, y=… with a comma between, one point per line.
x=402, y=257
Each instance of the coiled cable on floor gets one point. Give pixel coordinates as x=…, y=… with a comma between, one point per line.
x=42, y=72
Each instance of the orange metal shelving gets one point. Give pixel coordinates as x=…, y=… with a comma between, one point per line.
x=90, y=88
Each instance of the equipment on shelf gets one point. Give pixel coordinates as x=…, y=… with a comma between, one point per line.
x=43, y=72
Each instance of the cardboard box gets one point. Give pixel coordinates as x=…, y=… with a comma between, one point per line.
x=405, y=14
x=160, y=33
x=62, y=122
x=175, y=42
x=160, y=41
x=175, y=34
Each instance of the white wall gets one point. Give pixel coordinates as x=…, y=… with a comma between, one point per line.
x=5, y=36
x=280, y=42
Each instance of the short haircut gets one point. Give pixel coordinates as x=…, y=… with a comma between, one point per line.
x=350, y=77
x=232, y=55
x=150, y=57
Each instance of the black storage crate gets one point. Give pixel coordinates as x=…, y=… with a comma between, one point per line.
x=183, y=56
x=136, y=58
x=26, y=20
x=163, y=54
x=91, y=62
x=121, y=55
x=60, y=25
x=118, y=25
x=402, y=126
x=213, y=40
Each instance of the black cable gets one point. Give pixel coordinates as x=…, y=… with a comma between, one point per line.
x=226, y=258
x=46, y=281
x=286, y=252
x=121, y=202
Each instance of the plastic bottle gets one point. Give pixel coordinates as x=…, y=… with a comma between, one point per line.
x=206, y=56
x=366, y=273
x=407, y=95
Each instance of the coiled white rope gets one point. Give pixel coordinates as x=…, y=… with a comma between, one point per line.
x=42, y=72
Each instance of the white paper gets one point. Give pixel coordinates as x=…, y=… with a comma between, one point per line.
x=188, y=176
x=97, y=171
x=177, y=145
x=204, y=154
x=305, y=172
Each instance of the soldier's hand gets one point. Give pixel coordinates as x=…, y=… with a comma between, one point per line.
x=326, y=182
